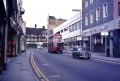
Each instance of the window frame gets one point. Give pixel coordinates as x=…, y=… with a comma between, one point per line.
x=98, y=14
x=86, y=3
x=91, y=17
x=105, y=10
x=86, y=19
x=91, y=1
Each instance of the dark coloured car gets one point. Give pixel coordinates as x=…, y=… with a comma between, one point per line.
x=80, y=52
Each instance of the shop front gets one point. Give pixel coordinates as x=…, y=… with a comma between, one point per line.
x=71, y=42
x=12, y=37
x=98, y=40
x=3, y=20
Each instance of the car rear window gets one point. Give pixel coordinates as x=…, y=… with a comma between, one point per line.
x=75, y=49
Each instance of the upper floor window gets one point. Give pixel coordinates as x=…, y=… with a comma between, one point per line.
x=75, y=26
x=86, y=3
x=105, y=10
x=43, y=35
x=35, y=35
x=65, y=29
x=91, y=1
x=91, y=17
x=119, y=9
x=61, y=31
x=97, y=13
x=86, y=19
x=35, y=40
x=78, y=24
x=32, y=35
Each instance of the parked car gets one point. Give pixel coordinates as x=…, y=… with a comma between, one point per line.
x=79, y=52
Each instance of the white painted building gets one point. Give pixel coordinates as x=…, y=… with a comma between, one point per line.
x=71, y=30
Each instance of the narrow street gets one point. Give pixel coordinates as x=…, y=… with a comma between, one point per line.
x=62, y=67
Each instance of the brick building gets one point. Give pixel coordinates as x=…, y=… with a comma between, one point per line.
x=36, y=37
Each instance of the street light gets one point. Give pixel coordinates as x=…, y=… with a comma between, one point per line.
x=80, y=37
x=104, y=33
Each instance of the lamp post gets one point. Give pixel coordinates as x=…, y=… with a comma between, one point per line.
x=105, y=33
x=80, y=37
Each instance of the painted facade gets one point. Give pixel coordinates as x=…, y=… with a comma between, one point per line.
x=103, y=32
x=70, y=31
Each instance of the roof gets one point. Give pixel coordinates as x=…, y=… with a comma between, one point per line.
x=51, y=17
x=34, y=30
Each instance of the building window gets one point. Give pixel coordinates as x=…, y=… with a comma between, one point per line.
x=35, y=35
x=39, y=39
x=75, y=26
x=78, y=25
x=35, y=40
x=72, y=27
x=31, y=39
x=28, y=39
x=43, y=35
x=91, y=17
x=86, y=19
x=119, y=9
x=42, y=39
x=91, y=1
x=32, y=35
x=65, y=29
x=61, y=31
x=97, y=13
x=86, y=3
x=45, y=39
x=105, y=10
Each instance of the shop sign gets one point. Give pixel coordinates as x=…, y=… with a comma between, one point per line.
x=13, y=24
x=99, y=28
x=119, y=23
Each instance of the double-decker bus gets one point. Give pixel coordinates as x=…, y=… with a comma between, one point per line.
x=55, y=44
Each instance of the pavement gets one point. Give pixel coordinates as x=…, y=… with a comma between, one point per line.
x=19, y=69
x=100, y=56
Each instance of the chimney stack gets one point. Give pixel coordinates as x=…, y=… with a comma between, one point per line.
x=35, y=25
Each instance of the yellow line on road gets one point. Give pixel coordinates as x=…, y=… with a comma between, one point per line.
x=39, y=73
x=34, y=66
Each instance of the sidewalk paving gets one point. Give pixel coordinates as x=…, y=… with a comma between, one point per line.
x=19, y=69
x=100, y=57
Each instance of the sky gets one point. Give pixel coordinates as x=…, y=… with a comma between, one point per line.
x=36, y=11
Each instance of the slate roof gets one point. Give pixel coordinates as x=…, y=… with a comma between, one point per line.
x=34, y=30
